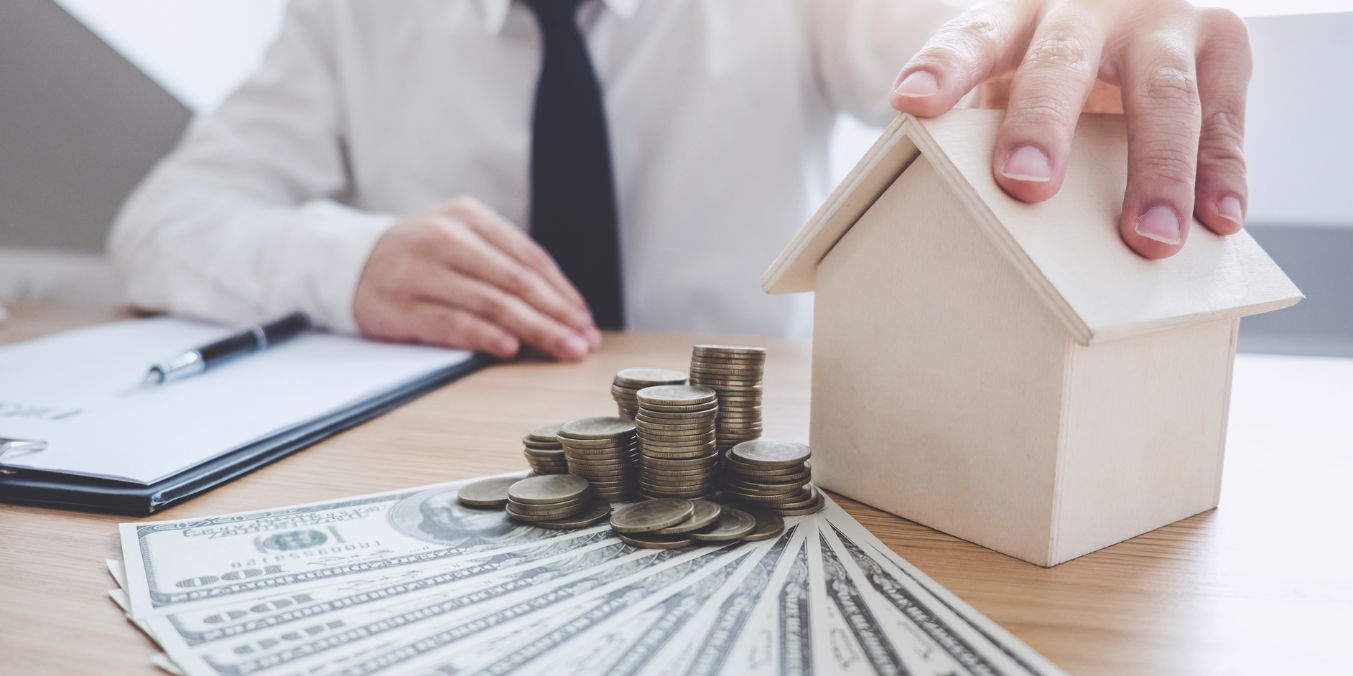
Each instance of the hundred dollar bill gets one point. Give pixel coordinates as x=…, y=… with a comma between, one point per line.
x=251, y=620
x=706, y=645
x=947, y=632
x=777, y=643
x=859, y=618
x=186, y=563
x=836, y=649
x=630, y=641
x=326, y=636
x=446, y=650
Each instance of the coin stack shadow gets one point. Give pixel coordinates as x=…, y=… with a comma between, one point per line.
x=735, y=373
x=543, y=451
x=625, y=388
x=547, y=498
x=678, y=456
x=773, y=475
x=605, y=451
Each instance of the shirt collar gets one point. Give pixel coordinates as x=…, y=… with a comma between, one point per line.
x=494, y=12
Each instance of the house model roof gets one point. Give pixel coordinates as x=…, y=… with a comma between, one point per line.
x=1067, y=248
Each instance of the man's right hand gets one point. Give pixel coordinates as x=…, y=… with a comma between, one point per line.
x=463, y=276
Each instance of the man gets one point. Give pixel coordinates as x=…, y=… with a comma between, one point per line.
x=383, y=167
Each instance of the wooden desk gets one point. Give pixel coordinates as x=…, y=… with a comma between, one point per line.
x=1260, y=585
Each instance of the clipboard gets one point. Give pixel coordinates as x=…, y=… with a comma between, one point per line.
x=66, y=491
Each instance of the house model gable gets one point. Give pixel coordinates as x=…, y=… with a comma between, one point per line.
x=1068, y=248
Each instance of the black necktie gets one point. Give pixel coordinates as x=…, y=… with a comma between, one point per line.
x=573, y=210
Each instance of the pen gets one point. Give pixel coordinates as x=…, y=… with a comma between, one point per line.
x=252, y=339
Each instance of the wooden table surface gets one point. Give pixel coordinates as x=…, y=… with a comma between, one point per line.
x=1260, y=585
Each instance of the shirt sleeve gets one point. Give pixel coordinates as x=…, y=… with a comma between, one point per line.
x=859, y=46
x=243, y=220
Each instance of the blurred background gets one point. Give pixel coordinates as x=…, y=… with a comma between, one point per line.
x=93, y=92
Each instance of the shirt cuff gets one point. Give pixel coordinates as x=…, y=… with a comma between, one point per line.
x=334, y=245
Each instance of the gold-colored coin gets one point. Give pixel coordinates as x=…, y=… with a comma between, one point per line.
x=545, y=433
x=768, y=525
x=651, y=515
x=676, y=395
x=513, y=511
x=595, y=428
x=649, y=541
x=649, y=376
x=486, y=493
x=747, y=351
x=768, y=452
x=591, y=515
x=732, y=524
x=554, y=488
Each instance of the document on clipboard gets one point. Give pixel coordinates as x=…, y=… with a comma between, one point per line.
x=80, y=392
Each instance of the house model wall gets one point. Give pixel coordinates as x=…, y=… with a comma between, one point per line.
x=1009, y=373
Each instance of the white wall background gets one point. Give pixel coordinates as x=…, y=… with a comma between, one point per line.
x=1299, y=137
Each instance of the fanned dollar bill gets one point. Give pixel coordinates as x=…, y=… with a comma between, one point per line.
x=410, y=582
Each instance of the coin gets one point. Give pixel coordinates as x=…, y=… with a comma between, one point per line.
x=532, y=508
x=592, y=514
x=768, y=525
x=732, y=524
x=676, y=394
x=545, y=433
x=486, y=493
x=650, y=515
x=650, y=376
x=543, y=516
x=549, y=489
x=650, y=541
x=731, y=351
x=768, y=452
x=596, y=428
x=703, y=513
x=812, y=507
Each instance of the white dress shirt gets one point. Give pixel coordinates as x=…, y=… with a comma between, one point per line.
x=365, y=111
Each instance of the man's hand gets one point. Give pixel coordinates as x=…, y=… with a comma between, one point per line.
x=464, y=277
x=1183, y=72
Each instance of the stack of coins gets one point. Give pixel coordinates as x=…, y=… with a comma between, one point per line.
x=543, y=451
x=625, y=388
x=547, y=498
x=772, y=475
x=604, y=451
x=735, y=374
x=678, y=458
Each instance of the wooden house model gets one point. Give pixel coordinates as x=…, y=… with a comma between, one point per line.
x=1010, y=373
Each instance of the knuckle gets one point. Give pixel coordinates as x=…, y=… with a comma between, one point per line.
x=1042, y=110
x=1171, y=84
x=1060, y=52
x=1223, y=136
x=963, y=44
x=496, y=308
x=431, y=235
x=515, y=280
x=1168, y=163
x=461, y=205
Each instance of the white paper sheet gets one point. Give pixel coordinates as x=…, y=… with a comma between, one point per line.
x=80, y=392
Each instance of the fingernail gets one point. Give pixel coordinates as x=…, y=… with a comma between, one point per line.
x=919, y=84
x=505, y=346
x=1159, y=223
x=575, y=347
x=1229, y=208
x=1028, y=163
